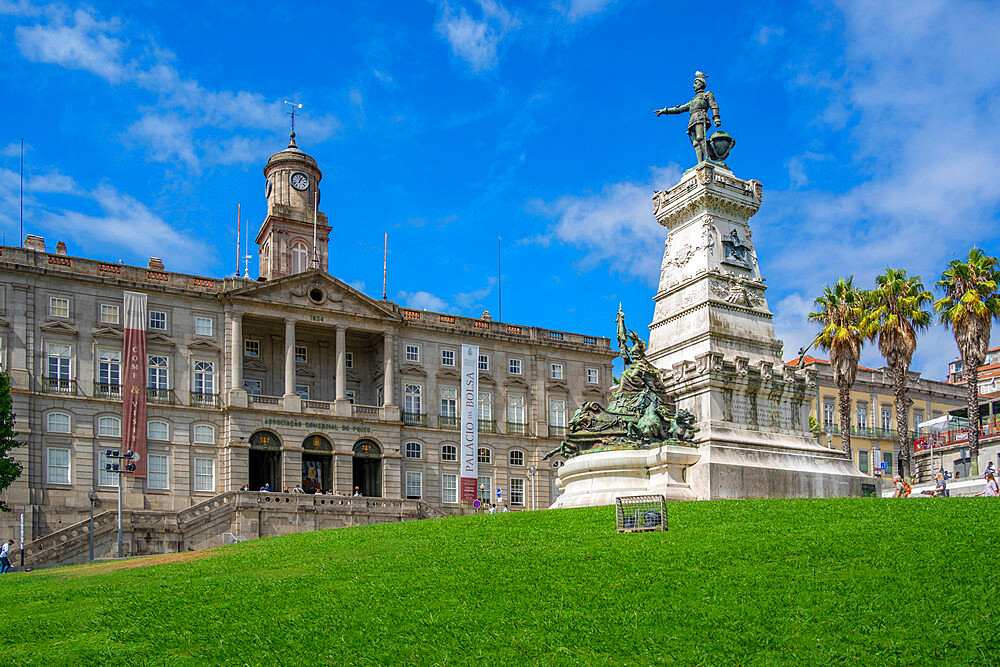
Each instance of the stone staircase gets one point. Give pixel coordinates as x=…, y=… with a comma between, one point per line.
x=244, y=515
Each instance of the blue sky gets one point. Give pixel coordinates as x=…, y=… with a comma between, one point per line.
x=447, y=124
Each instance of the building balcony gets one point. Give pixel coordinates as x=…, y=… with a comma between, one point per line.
x=517, y=429
x=414, y=418
x=872, y=433
x=367, y=411
x=203, y=399
x=448, y=422
x=487, y=426
x=262, y=400
x=107, y=390
x=160, y=395
x=58, y=386
x=320, y=406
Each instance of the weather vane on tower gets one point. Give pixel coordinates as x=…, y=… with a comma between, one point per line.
x=295, y=107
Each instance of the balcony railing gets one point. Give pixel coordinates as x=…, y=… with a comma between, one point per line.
x=107, y=390
x=266, y=400
x=874, y=433
x=487, y=426
x=414, y=418
x=449, y=422
x=316, y=405
x=160, y=395
x=366, y=410
x=556, y=431
x=517, y=429
x=204, y=399
x=58, y=386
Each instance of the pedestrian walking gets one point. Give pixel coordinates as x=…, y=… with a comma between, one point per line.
x=5, y=556
x=900, y=489
x=991, y=486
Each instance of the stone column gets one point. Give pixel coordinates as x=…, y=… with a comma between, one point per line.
x=236, y=349
x=289, y=356
x=341, y=364
x=387, y=379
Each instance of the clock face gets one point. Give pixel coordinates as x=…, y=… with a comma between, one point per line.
x=299, y=181
x=267, y=189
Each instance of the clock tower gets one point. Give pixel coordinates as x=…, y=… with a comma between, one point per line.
x=285, y=240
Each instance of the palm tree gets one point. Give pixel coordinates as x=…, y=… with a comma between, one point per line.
x=969, y=306
x=840, y=310
x=895, y=315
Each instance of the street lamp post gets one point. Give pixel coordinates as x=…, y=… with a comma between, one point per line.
x=531, y=471
x=482, y=494
x=93, y=498
x=121, y=470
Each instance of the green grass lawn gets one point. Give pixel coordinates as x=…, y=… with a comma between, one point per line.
x=733, y=582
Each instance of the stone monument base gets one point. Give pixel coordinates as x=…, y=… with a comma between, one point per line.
x=718, y=468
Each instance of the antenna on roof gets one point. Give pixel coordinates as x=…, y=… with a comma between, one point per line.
x=246, y=258
x=385, y=257
x=239, y=233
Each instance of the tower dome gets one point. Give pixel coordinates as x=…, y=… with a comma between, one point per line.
x=292, y=179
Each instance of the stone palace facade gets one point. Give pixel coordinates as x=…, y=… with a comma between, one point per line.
x=292, y=380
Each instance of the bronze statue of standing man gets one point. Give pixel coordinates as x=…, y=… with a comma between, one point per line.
x=699, y=123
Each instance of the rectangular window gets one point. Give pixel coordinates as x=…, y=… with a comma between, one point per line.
x=204, y=377
x=58, y=306
x=485, y=489
x=204, y=474
x=447, y=357
x=515, y=409
x=413, y=353
x=593, y=375
x=301, y=354
x=517, y=491
x=449, y=402
x=251, y=348
x=886, y=419
x=449, y=488
x=158, y=367
x=514, y=368
x=203, y=326
x=156, y=472
x=485, y=406
x=887, y=457
x=449, y=453
x=109, y=371
x=104, y=476
x=918, y=418
x=557, y=412
x=158, y=320
x=157, y=430
x=414, y=485
x=349, y=359
x=109, y=427
x=59, y=366
x=57, y=466
x=863, y=460
x=556, y=372
x=862, y=415
x=829, y=413
x=302, y=390
x=110, y=314
x=412, y=402
x=253, y=387
x=204, y=434
x=484, y=362
x=351, y=396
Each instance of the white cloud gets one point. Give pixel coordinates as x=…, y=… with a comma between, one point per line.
x=422, y=301
x=179, y=118
x=615, y=225
x=579, y=9
x=476, y=40
x=766, y=33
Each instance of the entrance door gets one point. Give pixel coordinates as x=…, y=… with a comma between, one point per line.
x=368, y=468
x=317, y=472
x=265, y=467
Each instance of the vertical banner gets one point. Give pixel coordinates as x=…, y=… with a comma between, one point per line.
x=470, y=421
x=134, y=381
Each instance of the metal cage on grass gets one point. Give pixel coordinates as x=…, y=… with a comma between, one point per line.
x=641, y=513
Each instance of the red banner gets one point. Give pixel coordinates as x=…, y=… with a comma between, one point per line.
x=134, y=381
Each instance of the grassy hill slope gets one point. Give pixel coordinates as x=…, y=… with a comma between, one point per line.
x=748, y=582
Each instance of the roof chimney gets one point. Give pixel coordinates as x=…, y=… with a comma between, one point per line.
x=61, y=248
x=155, y=264
x=36, y=243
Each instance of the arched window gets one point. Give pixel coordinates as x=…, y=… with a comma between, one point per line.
x=413, y=450
x=158, y=430
x=516, y=457
x=204, y=434
x=449, y=453
x=57, y=422
x=485, y=455
x=110, y=427
x=300, y=257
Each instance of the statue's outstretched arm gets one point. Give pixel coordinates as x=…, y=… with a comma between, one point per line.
x=673, y=110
